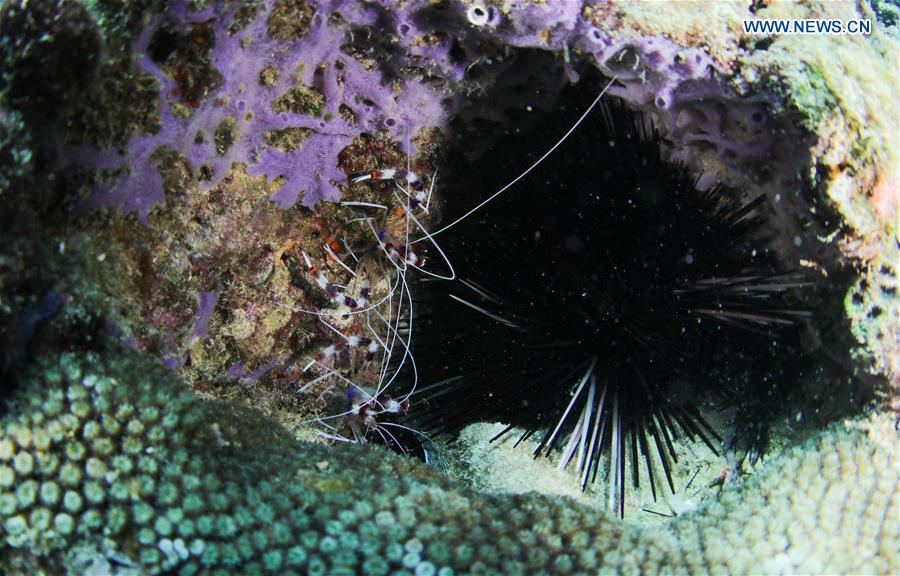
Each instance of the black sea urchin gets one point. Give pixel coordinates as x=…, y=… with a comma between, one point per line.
x=601, y=301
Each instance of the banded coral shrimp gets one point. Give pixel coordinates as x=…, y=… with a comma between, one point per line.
x=371, y=324
x=361, y=402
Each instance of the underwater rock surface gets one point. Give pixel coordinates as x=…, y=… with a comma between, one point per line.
x=275, y=91
x=168, y=166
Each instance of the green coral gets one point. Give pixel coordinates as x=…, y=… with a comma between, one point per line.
x=111, y=458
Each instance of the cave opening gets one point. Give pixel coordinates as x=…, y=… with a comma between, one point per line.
x=616, y=300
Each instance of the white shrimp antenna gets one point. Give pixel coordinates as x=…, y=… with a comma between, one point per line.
x=527, y=171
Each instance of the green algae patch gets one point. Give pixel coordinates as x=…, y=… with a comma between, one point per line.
x=225, y=135
x=810, y=95
x=289, y=19
x=300, y=100
x=288, y=139
x=268, y=76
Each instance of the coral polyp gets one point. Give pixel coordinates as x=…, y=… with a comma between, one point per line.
x=112, y=467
